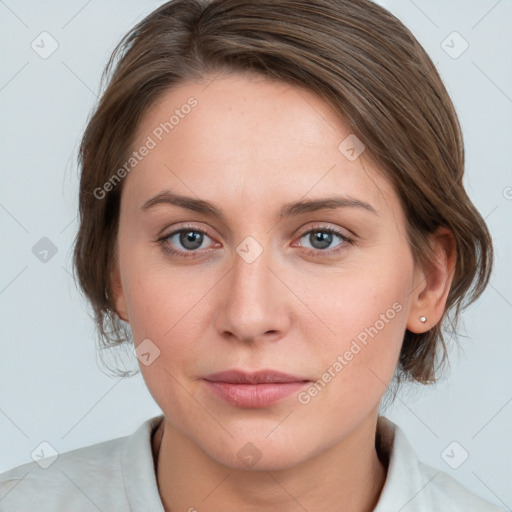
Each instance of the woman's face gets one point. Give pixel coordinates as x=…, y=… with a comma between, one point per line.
x=254, y=283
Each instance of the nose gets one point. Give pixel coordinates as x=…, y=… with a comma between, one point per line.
x=254, y=303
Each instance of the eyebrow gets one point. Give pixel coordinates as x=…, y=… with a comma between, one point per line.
x=288, y=210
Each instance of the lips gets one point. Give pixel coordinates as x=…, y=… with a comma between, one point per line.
x=253, y=389
x=260, y=377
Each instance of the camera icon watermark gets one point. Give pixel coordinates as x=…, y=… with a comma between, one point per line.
x=351, y=147
x=44, y=455
x=249, y=454
x=249, y=249
x=455, y=455
x=147, y=352
x=44, y=250
x=45, y=45
x=454, y=45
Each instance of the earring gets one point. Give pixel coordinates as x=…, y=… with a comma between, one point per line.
x=423, y=319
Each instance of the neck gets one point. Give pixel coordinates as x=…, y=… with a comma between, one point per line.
x=347, y=477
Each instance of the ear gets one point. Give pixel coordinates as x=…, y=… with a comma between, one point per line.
x=118, y=293
x=432, y=284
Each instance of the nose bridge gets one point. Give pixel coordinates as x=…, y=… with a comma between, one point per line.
x=251, y=267
x=250, y=277
x=253, y=304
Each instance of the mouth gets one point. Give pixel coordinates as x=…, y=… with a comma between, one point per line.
x=253, y=389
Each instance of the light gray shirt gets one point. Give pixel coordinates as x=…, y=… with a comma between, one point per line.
x=119, y=476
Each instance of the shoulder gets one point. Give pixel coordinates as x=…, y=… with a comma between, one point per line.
x=76, y=478
x=87, y=479
x=412, y=485
x=445, y=491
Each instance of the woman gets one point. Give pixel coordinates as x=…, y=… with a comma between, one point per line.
x=272, y=210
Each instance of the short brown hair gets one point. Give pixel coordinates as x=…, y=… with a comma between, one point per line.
x=356, y=56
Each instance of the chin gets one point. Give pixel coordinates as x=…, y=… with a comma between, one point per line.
x=257, y=453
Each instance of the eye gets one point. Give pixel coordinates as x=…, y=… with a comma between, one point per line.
x=184, y=242
x=321, y=239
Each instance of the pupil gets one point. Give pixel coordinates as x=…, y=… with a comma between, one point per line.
x=191, y=237
x=324, y=238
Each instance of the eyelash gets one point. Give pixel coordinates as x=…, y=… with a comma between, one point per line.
x=163, y=242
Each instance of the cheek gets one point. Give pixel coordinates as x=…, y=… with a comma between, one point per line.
x=160, y=298
x=169, y=306
x=365, y=310
x=166, y=308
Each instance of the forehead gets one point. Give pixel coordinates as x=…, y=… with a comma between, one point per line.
x=246, y=137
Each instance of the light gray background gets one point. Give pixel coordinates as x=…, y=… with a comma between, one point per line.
x=51, y=386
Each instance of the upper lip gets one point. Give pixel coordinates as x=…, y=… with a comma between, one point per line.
x=259, y=377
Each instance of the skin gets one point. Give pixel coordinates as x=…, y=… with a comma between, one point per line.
x=249, y=147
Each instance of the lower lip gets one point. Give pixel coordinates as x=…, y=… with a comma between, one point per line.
x=254, y=395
